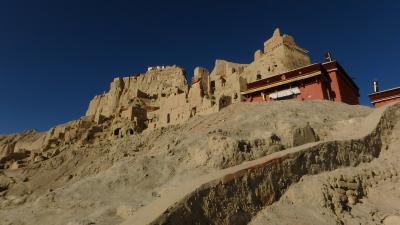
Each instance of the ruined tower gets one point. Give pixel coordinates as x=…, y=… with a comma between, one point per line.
x=280, y=54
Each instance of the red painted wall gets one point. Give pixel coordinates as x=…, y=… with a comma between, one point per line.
x=382, y=103
x=342, y=89
x=312, y=90
x=255, y=98
x=339, y=85
x=335, y=87
x=385, y=97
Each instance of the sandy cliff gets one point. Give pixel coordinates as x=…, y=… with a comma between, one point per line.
x=106, y=181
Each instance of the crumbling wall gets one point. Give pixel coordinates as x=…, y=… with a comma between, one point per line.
x=173, y=110
x=201, y=76
x=226, y=82
x=280, y=54
x=209, y=92
x=150, y=86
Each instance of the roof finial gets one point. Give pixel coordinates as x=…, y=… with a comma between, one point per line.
x=376, y=87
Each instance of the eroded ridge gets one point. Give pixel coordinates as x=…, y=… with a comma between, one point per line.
x=236, y=194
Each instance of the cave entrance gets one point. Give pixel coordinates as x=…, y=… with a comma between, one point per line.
x=116, y=131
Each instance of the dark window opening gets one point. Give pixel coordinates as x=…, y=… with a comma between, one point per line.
x=258, y=77
x=212, y=87
x=168, y=118
x=193, y=112
x=116, y=131
x=131, y=131
x=225, y=101
x=223, y=81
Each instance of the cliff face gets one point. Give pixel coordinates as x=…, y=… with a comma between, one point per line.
x=145, y=88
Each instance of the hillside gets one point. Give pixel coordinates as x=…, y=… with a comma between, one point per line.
x=106, y=180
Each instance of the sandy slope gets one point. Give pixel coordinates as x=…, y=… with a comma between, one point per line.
x=235, y=194
x=106, y=182
x=378, y=201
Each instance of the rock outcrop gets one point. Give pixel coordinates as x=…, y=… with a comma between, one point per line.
x=235, y=195
x=91, y=171
x=143, y=89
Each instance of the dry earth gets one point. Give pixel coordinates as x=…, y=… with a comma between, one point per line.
x=367, y=194
x=109, y=181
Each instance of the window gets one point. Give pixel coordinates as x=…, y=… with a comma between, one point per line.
x=258, y=77
x=223, y=81
x=193, y=112
x=212, y=87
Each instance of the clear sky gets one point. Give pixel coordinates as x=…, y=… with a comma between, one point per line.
x=56, y=55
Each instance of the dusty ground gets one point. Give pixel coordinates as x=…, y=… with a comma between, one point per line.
x=106, y=182
x=376, y=200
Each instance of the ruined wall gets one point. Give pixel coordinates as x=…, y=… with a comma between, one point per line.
x=148, y=87
x=280, y=54
x=201, y=76
x=196, y=95
x=208, y=93
x=174, y=109
x=226, y=82
x=226, y=68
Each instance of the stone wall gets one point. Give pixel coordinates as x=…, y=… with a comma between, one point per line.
x=166, y=88
x=281, y=54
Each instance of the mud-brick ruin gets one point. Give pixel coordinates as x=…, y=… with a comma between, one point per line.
x=223, y=149
x=162, y=96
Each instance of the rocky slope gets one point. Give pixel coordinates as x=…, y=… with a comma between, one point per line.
x=236, y=194
x=105, y=180
x=366, y=194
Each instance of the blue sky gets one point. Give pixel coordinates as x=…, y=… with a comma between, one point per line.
x=56, y=55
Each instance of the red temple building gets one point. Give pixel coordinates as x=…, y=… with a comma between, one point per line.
x=327, y=81
x=381, y=98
